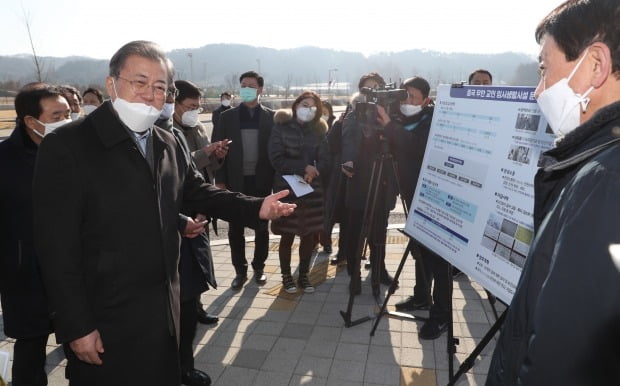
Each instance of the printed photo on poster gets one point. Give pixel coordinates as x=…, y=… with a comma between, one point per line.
x=474, y=200
x=507, y=239
x=527, y=122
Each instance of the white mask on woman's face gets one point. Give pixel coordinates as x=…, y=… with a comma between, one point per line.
x=410, y=110
x=138, y=117
x=306, y=114
x=561, y=106
x=225, y=102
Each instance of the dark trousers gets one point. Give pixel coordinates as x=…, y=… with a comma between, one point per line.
x=306, y=244
x=187, y=333
x=431, y=267
x=236, y=237
x=376, y=237
x=29, y=362
x=342, y=239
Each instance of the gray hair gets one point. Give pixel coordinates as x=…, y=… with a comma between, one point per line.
x=141, y=48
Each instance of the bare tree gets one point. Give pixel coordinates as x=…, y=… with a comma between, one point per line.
x=232, y=82
x=287, y=86
x=37, y=63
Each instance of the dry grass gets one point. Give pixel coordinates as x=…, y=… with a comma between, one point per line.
x=7, y=119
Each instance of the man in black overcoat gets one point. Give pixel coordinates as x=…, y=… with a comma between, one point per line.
x=25, y=310
x=107, y=195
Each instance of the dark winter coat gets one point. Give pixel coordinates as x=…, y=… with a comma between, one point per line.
x=563, y=325
x=196, y=269
x=215, y=117
x=408, y=136
x=292, y=147
x=231, y=172
x=364, y=145
x=337, y=184
x=107, y=238
x=24, y=303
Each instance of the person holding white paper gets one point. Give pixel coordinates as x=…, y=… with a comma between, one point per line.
x=298, y=150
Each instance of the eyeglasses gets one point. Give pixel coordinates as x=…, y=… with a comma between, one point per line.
x=192, y=108
x=174, y=92
x=139, y=87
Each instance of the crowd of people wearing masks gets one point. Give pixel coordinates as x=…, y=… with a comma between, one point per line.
x=104, y=230
x=274, y=145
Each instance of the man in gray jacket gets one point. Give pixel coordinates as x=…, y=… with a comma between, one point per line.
x=247, y=169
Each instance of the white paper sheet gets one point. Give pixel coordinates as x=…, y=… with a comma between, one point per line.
x=298, y=185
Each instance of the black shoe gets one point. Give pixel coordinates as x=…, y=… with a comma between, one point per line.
x=206, y=318
x=412, y=304
x=260, y=278
x=304, y=283
x=288, y=283
x=433, y=328
x=367, y=264
x=238, y=281
x=196, y=378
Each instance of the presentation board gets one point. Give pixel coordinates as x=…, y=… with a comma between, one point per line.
x=474, y=199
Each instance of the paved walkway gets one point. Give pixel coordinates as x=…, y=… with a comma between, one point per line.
x=268, y=337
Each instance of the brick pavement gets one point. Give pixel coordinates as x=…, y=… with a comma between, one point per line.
x=267, y=337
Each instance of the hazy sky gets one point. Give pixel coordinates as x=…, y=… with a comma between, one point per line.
x=97, y=28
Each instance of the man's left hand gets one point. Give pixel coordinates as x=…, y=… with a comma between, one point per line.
x=221, y=148
x=194, y=227
x=382, y=116
x=272, y=208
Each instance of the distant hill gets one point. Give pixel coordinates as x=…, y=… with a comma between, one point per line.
x=221, y=64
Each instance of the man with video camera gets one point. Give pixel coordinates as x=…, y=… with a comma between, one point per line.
x=408, y=132
x=363, y=143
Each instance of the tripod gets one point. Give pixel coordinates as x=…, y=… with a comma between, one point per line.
x=392, y=288
x=451, y=341
x=368, y=233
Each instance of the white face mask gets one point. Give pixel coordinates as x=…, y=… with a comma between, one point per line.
x=306, y=114
x=49, y=127
x=88, y=109
x=325, y=118
x=561, y=106
x=75, y=116
x=410, y=110
x=167, y=111
x=138, y=117
x=190, y=118
x=225, y=102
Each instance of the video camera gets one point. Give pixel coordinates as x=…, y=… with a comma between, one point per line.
x=389, y=97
